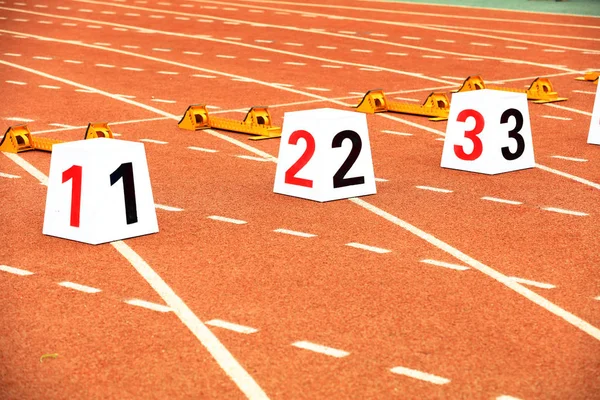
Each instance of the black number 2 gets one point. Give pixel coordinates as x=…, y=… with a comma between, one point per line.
x=125, y=171
x=339, y=179
x=514, y=134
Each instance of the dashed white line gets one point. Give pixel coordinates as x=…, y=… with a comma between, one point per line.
x=379, y=34
x=230, y=9
x=203, y=149
x=259, y=60
x=293, y=44
x=434, y=189
x=423, y=376
x=583, y=92
x=63, y=8
x=167, y=208
x=392, y=53
x=108, y=12
x=160, y=49
x=253, y=158
x=73, y=61
x=208, y=21
x=132, y=69
x=431, y=56
x=156, y=16
x=153, y=141
x=20, y=20
x=49, y=87
x=231, y=326
x=94, y=26
x=105, y=65
x=554, y=51
x=164, y=101
x=481, y=44
x=78, y=287
x=225, y=56
x=411, y=37
x=373, y=249
x=445, y=265
x=225, y=219
x=16, y=83
x=396, y=133
x=559, y=118
x=294, y=233
x=570, y=158
x=16, y=271
x=294, y=63
x=9, y=176
x=192, y=53
x=85, y=10
x=563, y=211
x=204, y=76
x=148, y=305
x=19, y=119
x=263, y=41
x=327, y=47
x=347, y=32
x=471, y=59
x=130, y=46
x=132, y=14
x=361, y=50
x=42, y=58
x=317, y=89
x=167, y=72
x=516, y=47
x=532, y=283
x=182, y=18
x=317, y=348
x=69, y=24
x=504, y=201
x=45, y=22
x=445, y=40
x=12, y=54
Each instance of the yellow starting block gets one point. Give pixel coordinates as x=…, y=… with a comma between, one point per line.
x=591, y=76
x=436, y=105
x=540, y=90
x=257, y=122
x=18, y=138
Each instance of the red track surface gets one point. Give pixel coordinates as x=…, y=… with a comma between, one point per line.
x=385, y=310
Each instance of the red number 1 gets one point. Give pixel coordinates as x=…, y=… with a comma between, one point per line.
x=74, y=173
x=472, y=135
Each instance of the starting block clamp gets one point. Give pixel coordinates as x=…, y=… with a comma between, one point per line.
x=257, y=122
x=540, y=90
x=436, y=105
x=591, y=76
x=18, y=138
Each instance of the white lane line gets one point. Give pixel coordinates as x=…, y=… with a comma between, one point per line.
x=148, y=305
x=259, y=60
x=225, y=56
x=381, y=180
x=559, y=118
x=16, y=83
x=202, y=149
x=327, y=47
x=263, y=41
x=78, y=287
x=18, y=119
x=563, y=211
x=167, y=208
x=69, y=24
x=49, y=87
x=317, y=89
x=161, y=49
x=207, y=21
x=42, y=58
x=392, y=53
x=471, y=59
x=481, y=44
x=231, y=326
x=12, y=54
x=225, y=219
x=454, y=78
x=33, y=171
x=102, y=44
x=294, y=233
x=331, y=66
x=370, y=69
x=570, y=158
x=192, y=53
x=294, y=63
x=504, y=201
x=423, y=376
x=583, y=92
x=379, y=34
x=167, y=72
x=347, y=32
x=94, y=26
x=16, y=271
x=554, y=51
x=531, y=283
x=164, y=101
x=232, y=38
x=317, y=348
x=156, y=16
x=105, y=65
x=153, y=141
x=361, y=50
x=430, y=56
x=445, y=40
x=589, y=114
x=516, y=47
x=445, y=265
x=130, y=46
x=374, y=249
x=182, y=18
x=506, y=397
x=396, y=133
x=9, y=176
x=434, y=189
x=64, y=126
x=73, y=61
x=597, y=298
x=253, y=158
x=132, y=69
x=411, y=37
x=568, y=176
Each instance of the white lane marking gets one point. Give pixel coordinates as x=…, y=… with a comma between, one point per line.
x=130, y=46
x=156, y=16
x=331, y=66
x=132, y=69
x=583, y=92
x=16, y=83
x=361, y=50
x=192, y=53
x=153, y=141
x=63, y=8
x=49, y=87
x=232, y=38
x=445, y=265
x=411, y=37
x=263, y=41
x=374, y=249
x=9, y=176
x=381, y=180
x=531, y=283
x=570, y=158
x=85, y=10
x=16, y=271
x=238, y=374
x=42, y=58
x=12, y=54
x=516, y=47
x=204, y=76
x=445, y=40
x=127, y=96
x=168, y=73
x=161, y=49
x=481, y=44
x=294, y=233
x=225, y=56
x=559, y=118
x=108, y=12
x=589, y=114
x=73, y=61
x=167, y=208
x=327, y=47
x=69, y=24
x=18, y=119
x=148, y=305
x=392, y=53
x=231, y=23
x=202, y=149
x=506, y=397
x=434, y=189
x=317, y=348
x=164, y=101
x=370, y=69
x=259, y=60
x=423, y=376
x=231, y=326
x=94, y=26
x=105, y=65
x=554, y=51
x=504, y=201
x=471, y=59
x=102, y=44
x=182, y=18
x=63, y=126
x=245, y=157
x=84, y=91
x=256, y=11
x=396, y=133
x=317, y=89
x=20, y=20
x=454, y=78
x=294, y=63
x=597, y=298
x=225, y=219
x=430, y=56
x=132, y=14
x=563, y=211
x=78, y=287
x=120, y=29
x=45, y=22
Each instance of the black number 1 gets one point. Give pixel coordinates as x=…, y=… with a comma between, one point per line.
x=125, y=171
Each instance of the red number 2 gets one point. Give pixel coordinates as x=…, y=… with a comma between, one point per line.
x=471, y=135
x=290, y=174
x=74, y=173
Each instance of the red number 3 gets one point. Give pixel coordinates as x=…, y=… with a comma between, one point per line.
x=471, y=135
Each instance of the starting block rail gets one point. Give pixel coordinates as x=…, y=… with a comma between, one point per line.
x=256, y=123
x=436, y=105
x=540, y=90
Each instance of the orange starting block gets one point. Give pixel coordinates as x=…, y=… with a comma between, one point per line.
x=591, y=76
x=257, y=122
x=18, y=138
x=540, y=90
x=436, y=105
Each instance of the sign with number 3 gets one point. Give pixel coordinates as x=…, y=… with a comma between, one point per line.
x=488, y=132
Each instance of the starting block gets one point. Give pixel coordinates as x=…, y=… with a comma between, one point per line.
x=436, y=105
x=98, y=130
x=257, y=122
x=591, y=76
x=540, y=90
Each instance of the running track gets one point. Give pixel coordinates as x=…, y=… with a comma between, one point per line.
x=506, y=307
